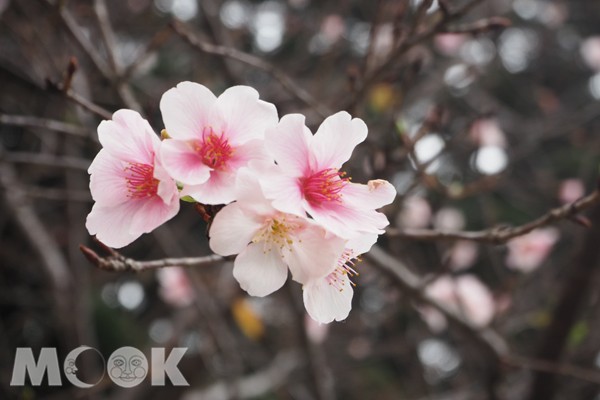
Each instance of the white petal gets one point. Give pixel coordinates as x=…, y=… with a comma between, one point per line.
x=218, y=189
x=259, y=272
x=336, y=138
x=288, y=143
x=111, y=224
x=242, y=115
x=326, y=303
x=186, y=110
x=107, y=180
x=232, y=229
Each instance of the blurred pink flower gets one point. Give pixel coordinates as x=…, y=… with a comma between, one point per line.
x=449, y=219
x=211, y=138
x=133, y=193
x=308, y=177
x=269, y=241
x=487, y=132
x=527, y=252
x=175, y=287
x=463, y=254
x=416, y=213
x=571, y=190
x=465, y=295
x=449, y=43
x=333, y=28
x=329, y=297
x=590, y=52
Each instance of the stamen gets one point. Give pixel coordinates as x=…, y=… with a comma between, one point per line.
x=324, y=186
x=214, y=149
x=276, y=232
x=140, y=180
x=345, y=266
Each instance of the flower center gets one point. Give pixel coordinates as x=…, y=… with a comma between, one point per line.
x=214, y=149
x=140, y=180
x=324, y=186
x=345, y=266
x=277, y=232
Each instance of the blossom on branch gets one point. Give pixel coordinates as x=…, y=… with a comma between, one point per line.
x=211, y=138
x=133, y=193
x=269, y=241
x=309, y=179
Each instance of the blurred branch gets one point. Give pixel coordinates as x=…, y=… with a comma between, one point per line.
x=116, y=262
x=256, y=62
x=48, y=160
x=414, y=286
x=582, y=275
x=255, y=385
x=503, y=234
x=572, y=371
x=28, y=121
x=159, y=38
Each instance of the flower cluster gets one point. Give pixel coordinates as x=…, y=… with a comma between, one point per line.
x=288, y=205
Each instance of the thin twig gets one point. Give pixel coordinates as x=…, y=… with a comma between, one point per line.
x=48, y=160
x=28, y=121
x=563, y=369
x=501, y=234
x=119, y=263
x=256, y=62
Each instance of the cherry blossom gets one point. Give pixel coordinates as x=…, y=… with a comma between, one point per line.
x=132, y=191
x=465, y=295
x=528, y=252
x=309, y=179
x=211, y=138
x=175, y=287
x=571, y=190
x=269, y=241
x=329, y=298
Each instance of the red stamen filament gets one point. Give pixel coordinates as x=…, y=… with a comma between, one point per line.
x=214, y=149
x=140, y=180
x=324, y=186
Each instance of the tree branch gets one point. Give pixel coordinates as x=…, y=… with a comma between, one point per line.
x=503, y=234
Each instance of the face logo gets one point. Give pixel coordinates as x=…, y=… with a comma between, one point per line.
x=127, y=367
x=70, y=367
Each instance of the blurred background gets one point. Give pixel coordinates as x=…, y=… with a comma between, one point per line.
x=481, y=113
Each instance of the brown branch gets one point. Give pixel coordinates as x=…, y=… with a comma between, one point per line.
x=414, y=286
x=28, y=121
x=568, y=370
x=119, y=263
x=47, y=160
x=502, y=234
x=256, y=62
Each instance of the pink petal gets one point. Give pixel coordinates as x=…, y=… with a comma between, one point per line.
x=186, y=110
x=362, y=243
x=111, y=224
x=259, y=272
x=288, y=143
x=249, y=193
x=313, y=254
x=374, y=194
x=232, y=229
x=348, y=222
x=253, y=150
x=183, y=163
x=152, y=213
x=242, y=116
x=129, y=137
x=336, y=138
x=326, y=303
x=218, y=189
x=167, y=187
x=285, y=191
x=107, y=180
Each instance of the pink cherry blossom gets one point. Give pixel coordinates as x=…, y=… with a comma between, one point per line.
x=465, y=295
x=416, y=212
x=329, y=297
x=133, y=193
x=528, y=252
x=462, y=255
x=212, y=138
x=571, y=190
x=590, y=52
x=175, y=287
x=487, y=132
x=310, y=180
x=269, y=241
